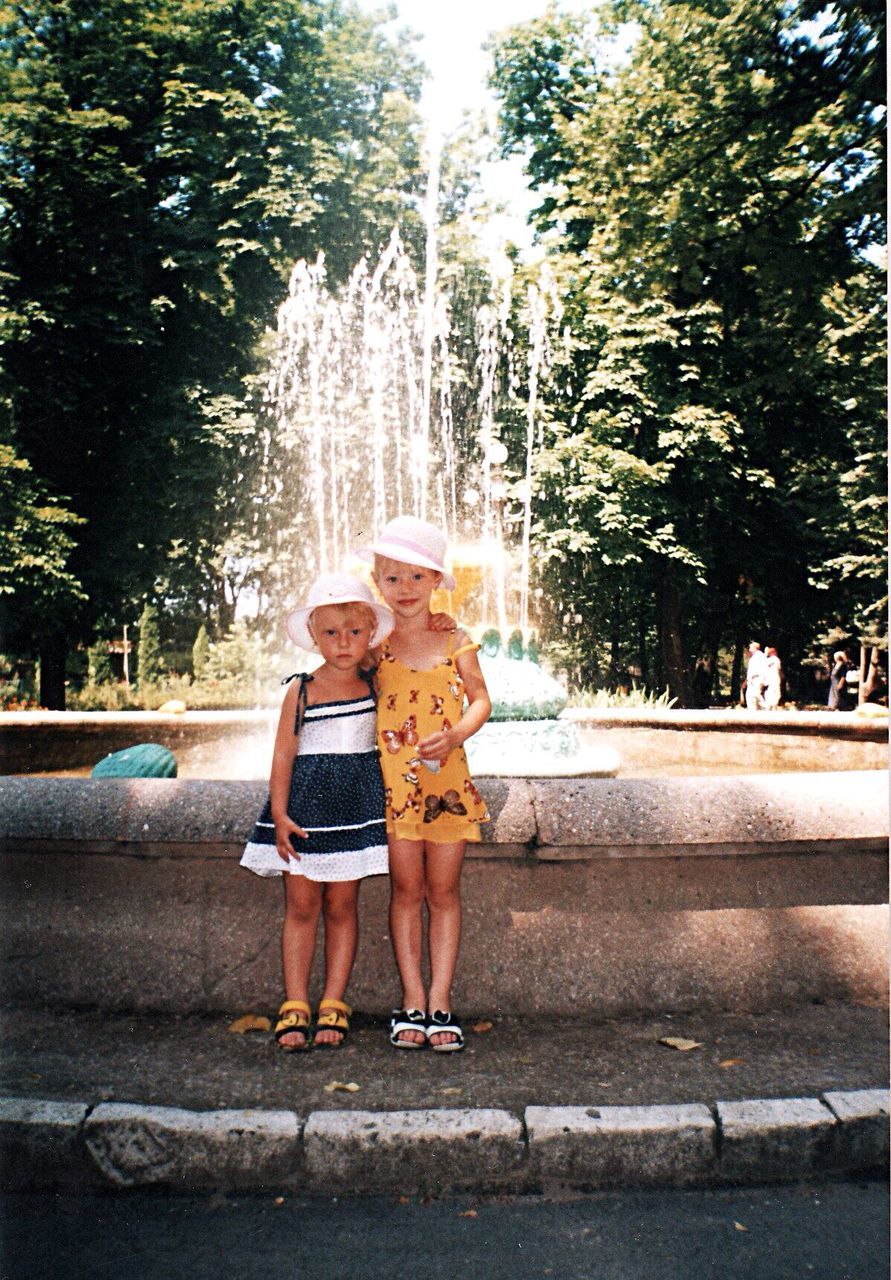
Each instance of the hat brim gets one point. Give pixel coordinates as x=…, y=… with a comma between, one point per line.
x=394, y=551
x=297, y=622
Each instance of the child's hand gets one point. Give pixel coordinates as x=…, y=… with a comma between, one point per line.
x=284, y=829
x=439, y=745
x=441, y=622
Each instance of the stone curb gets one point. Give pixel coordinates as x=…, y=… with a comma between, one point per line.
x=71, y=1145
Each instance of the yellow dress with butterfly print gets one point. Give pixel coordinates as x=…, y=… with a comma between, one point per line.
x=424, y=804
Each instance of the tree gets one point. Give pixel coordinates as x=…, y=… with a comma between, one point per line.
x=709, y=198
x=162, y=166
x=200, y=653
x=149, y=651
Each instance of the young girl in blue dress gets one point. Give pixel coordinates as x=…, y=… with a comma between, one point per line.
x=323, y=827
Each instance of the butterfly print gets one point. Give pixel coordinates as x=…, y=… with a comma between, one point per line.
x=472, y=792
x=413, y=695
x=449, y=802
x=435, y=704
x=407, y=736
x=391, y=701
x=455, y=691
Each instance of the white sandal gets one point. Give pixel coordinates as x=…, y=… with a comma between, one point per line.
x=439, y=1022
x=407, y=1020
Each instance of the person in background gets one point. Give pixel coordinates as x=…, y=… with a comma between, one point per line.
x=838, y=686
x=756, y=677
x=773, y=688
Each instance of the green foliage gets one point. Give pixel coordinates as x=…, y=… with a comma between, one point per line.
x=99, y=664
x=242, y=656
x=36, y=541
x=714, y=461
x=200, y=653
x=601, y=699
x=149, y=663
x=163, y=165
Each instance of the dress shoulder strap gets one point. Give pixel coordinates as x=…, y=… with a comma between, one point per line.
x=304, y=677
x=470, y=647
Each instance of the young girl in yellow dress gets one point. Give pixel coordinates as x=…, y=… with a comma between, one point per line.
x=424, y=677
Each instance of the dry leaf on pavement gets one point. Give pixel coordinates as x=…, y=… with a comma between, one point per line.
x=739, y=1226
x=482, y=1025
x=336, y=1085
x=678, y=1042
x=732, y=1062
x=250, y=1022
x=469, y=1213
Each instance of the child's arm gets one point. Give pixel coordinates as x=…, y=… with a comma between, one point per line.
x=439, y=745
x=283, y=754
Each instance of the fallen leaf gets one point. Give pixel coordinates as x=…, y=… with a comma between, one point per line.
x=405, y=1199
x=451, y=1089
x=482, y=1025
x=279, y=1201
x=336, y=1085
x=468, y=1213
x=678, y=1042
x=250, y=1022
x=739, y=1226
x=732, y=1062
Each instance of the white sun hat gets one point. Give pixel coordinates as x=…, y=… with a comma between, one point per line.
x=337, y=588
x=411, y=540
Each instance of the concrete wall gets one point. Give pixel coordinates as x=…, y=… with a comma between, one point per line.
x=608, y=896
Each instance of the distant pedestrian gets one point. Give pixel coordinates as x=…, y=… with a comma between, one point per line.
x=756, y=677
x=773, y=688
x=323, y=827
x=838, y=681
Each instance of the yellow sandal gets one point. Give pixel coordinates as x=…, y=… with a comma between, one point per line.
x=333, y=1015
x=294, y=1015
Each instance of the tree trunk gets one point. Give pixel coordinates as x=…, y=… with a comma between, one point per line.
x=668, y=604
x=53, y=652
x=736, y=676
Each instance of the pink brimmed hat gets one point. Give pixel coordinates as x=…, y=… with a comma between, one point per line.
x=411, y=540
x=336, y=588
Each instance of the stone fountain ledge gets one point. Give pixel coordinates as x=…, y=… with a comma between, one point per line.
x=238, y=744
x=595, y=897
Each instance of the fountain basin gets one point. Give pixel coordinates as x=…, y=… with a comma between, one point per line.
x=238, y=744
x=616, y=896
x=540, y=749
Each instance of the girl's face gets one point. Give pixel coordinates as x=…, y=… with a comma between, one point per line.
x=406, y=588
x=342, y=634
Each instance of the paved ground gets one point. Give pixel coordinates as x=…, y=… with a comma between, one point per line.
x=197, y=1063
x=835, y=1231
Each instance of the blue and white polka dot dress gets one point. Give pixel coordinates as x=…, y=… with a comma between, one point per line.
x=336, y=795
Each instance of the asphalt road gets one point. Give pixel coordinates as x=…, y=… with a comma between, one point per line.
x=835, y=1231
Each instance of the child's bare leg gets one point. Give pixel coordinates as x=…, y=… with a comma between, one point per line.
x=340, y=903
x=303, y=902
x=443, y=881
x=406, y=905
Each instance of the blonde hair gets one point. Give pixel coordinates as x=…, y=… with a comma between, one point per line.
x=350, y=608
x=380, y=563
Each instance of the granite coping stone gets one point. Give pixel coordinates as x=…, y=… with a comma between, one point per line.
x=430, y=1150
x=743, y=811
x=50, y=1144
x=135, y=1145
x=782, y=1138
x=861, y=1136
x=604, y=1145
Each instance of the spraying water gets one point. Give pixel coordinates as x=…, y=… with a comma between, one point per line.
x=360, y=390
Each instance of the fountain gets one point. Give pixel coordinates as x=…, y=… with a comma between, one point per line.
x=356, y=441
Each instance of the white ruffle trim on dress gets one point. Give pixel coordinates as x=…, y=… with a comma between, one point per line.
x=263, y=860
